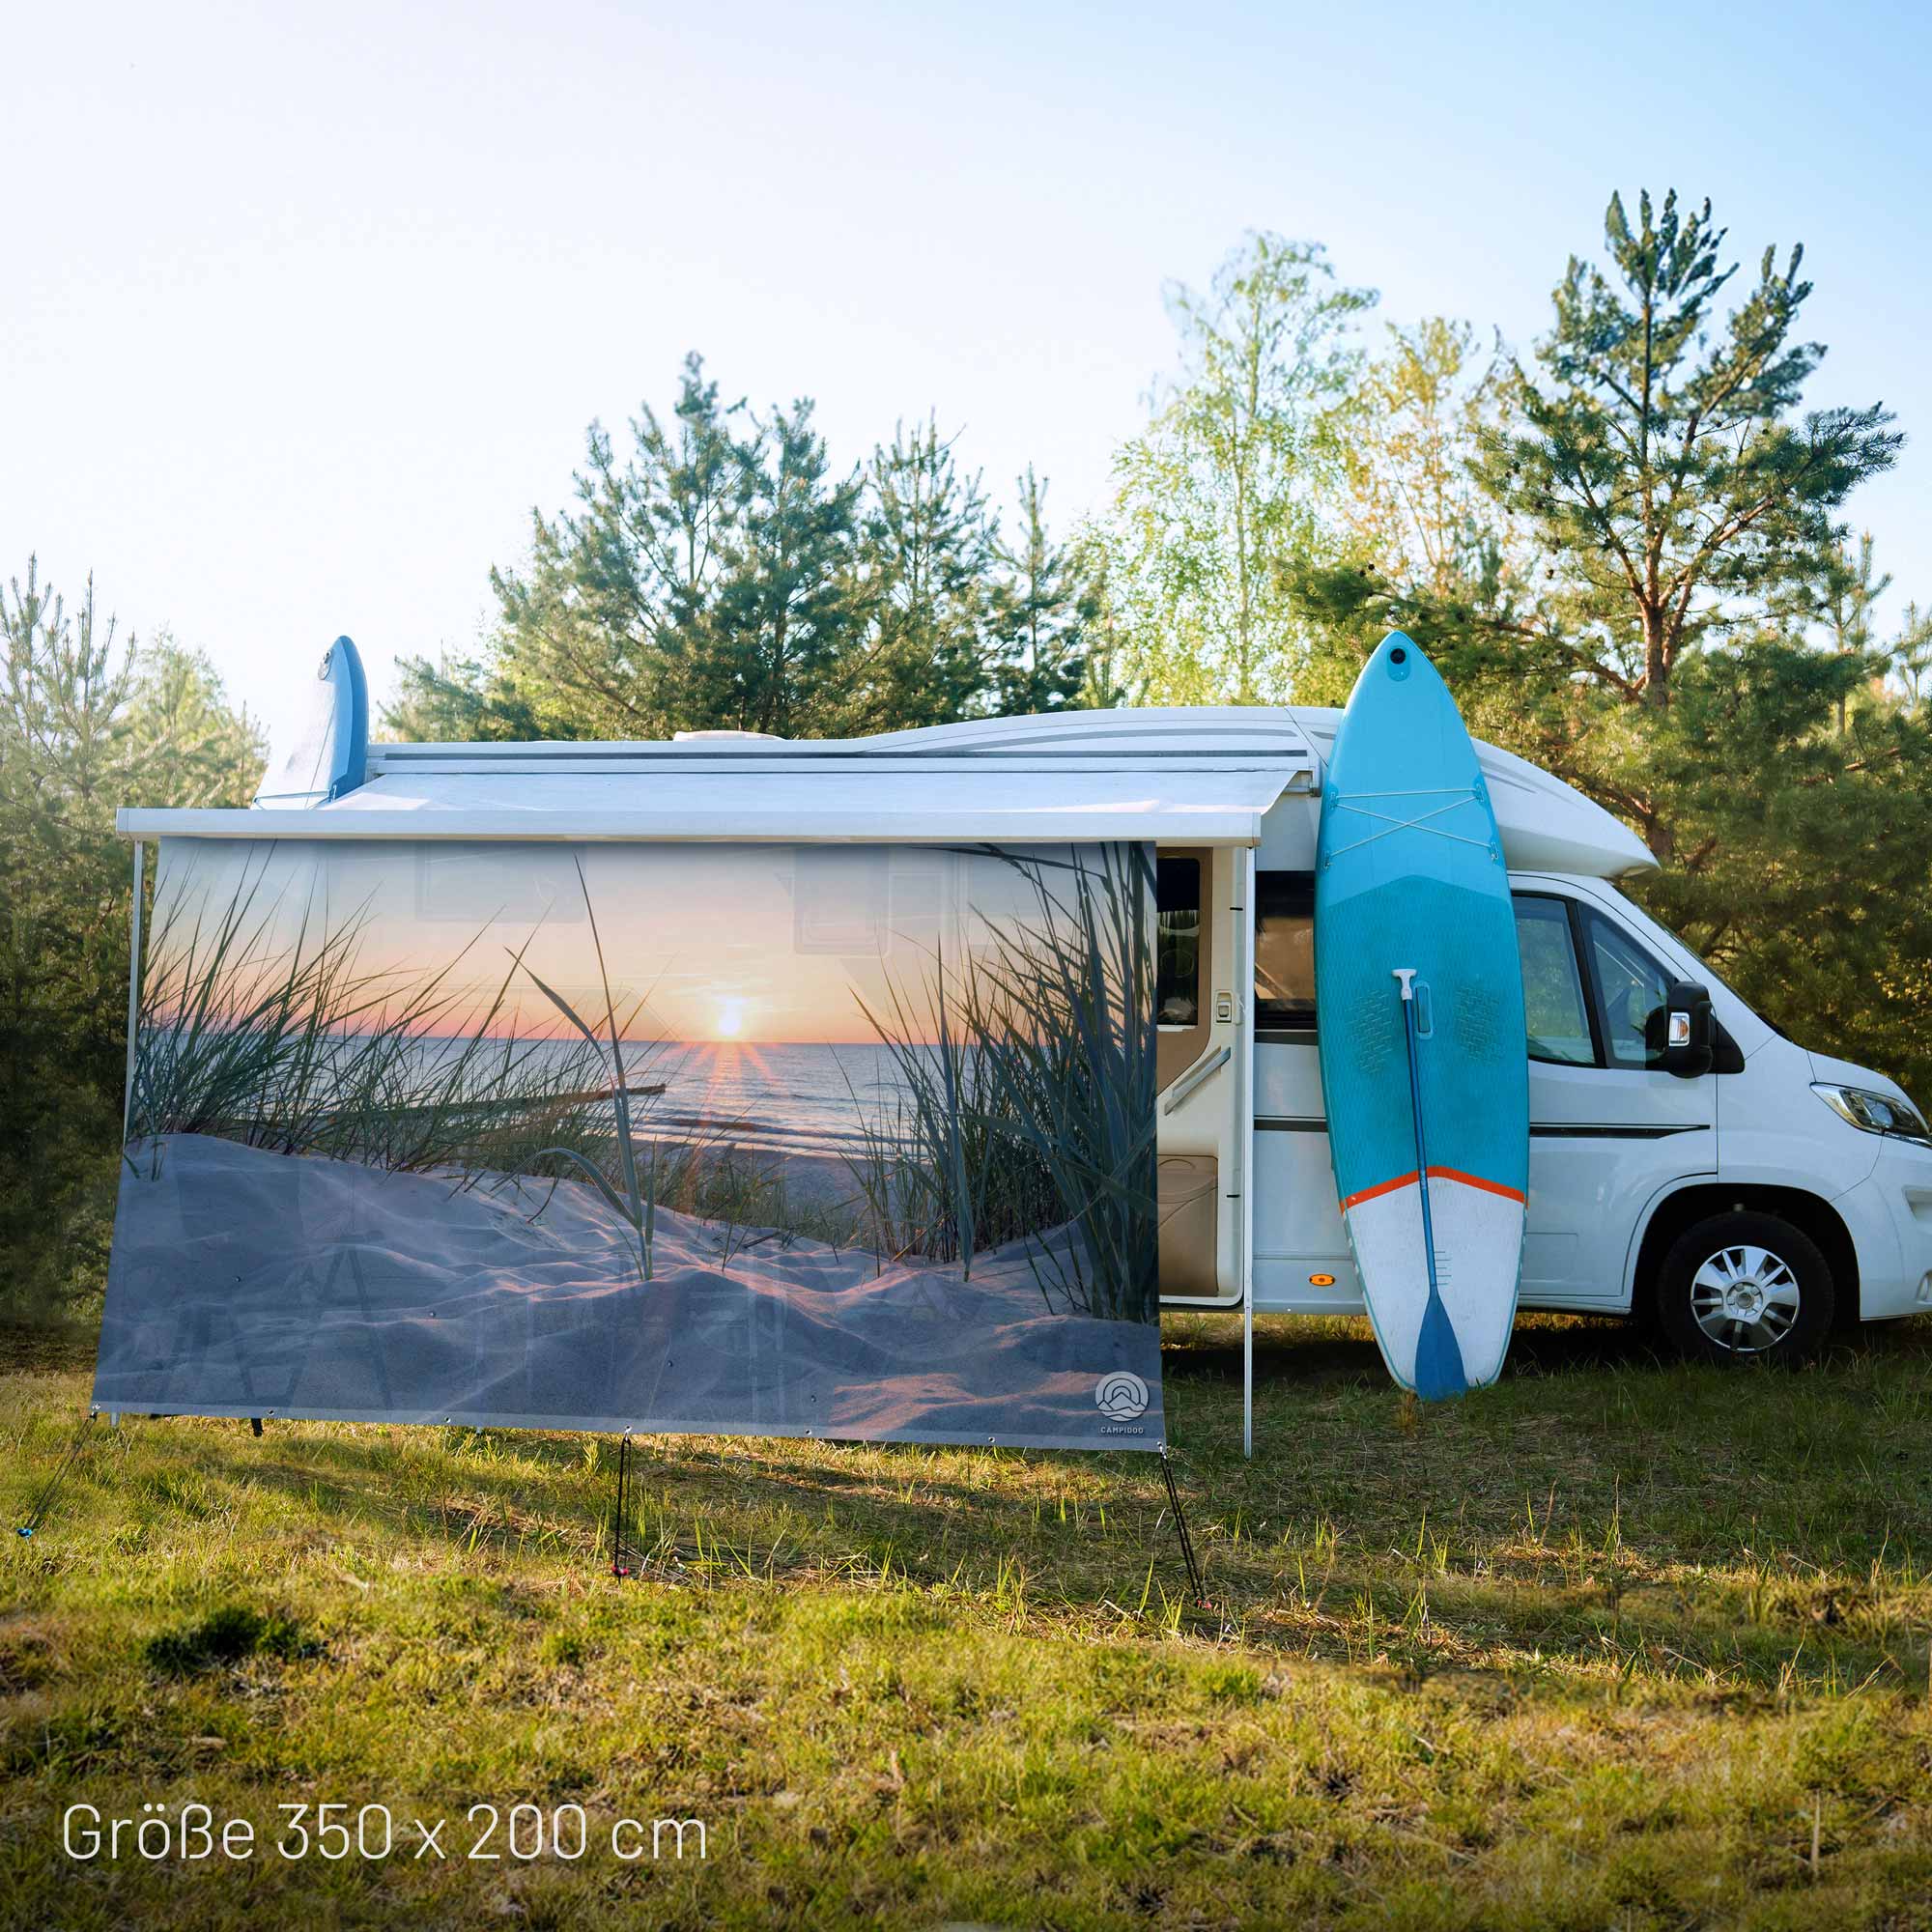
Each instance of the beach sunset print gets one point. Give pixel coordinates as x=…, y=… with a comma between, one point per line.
x=851, y=1140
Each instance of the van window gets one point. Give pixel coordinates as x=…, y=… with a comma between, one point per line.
x=1626, y=986
x=1285, y=951
x=1631, y=986
x=1553, y=989
x=1177, y=991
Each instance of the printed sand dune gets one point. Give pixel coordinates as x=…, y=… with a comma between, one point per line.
x=244, y=1281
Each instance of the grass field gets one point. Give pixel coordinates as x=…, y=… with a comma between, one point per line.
x=1615, y=1643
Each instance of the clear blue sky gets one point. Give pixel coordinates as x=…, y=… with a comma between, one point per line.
x=305, y=308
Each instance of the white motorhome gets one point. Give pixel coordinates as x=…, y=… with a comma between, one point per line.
x=1746, y=1192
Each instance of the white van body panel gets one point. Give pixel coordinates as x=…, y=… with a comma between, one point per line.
x=1610, y=1147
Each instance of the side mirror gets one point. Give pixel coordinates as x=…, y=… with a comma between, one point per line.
x=1681, y=1034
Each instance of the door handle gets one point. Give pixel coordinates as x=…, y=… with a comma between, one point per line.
x=1196, y=1077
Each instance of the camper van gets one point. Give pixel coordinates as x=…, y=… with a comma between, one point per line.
x=1702, y=1170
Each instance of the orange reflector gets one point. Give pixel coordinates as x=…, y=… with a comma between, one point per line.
x=1322, y=1281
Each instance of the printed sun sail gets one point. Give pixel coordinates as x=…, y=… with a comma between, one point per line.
x=744, y=1139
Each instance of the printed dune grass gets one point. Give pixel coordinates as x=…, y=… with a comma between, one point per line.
x=1614, y=1643
x=1031, y=1117
x=283, y=1041
x=286, y=1043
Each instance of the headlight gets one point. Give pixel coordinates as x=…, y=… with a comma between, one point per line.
x=1874, y=1113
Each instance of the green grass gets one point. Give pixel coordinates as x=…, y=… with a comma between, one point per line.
x=1613, y=1644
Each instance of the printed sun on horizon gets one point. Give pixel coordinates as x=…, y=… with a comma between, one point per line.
x=730, y=1021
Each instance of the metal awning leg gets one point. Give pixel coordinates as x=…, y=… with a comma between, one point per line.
x=1248, y=1371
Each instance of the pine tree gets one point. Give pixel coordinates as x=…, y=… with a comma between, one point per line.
x=1851, y=591
x=1042, y=608
x=718, y=575
x=1658, y=459
x=1684, y=637
x=929, y=552
x=768, y=654
x=186, y=745
x=1909, y=658
x=89, y=720
x=596, y=635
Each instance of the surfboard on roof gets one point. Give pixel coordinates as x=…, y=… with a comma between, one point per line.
x=329, y=752
x=1420, y=1019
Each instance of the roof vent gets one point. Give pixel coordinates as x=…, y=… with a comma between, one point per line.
x=690, y=737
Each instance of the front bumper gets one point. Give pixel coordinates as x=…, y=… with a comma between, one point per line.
x=1890, y=1216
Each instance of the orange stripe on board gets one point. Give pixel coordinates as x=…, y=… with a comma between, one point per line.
x=1381, y=1187
x=1435, y=1173
x=1515, y=1194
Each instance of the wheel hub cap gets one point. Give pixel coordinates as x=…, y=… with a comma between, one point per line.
x=1745, y=1299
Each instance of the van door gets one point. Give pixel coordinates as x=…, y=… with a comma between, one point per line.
x=1608, y=1127
x=1302, y=1253
x=1194, y=1075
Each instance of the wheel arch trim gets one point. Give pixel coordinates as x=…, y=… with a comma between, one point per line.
x=1686, y=1201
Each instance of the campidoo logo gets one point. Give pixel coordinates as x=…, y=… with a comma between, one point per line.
x=1121, y=1396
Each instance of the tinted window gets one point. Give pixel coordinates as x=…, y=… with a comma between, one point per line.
x=1284, y=950
x=1176, y=993
x=1631, y=986
x=1553, y=989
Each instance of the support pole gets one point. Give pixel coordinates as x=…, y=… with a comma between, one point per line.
x=49, y=1494
x=1244, y=1220
x=618, y=1567
x=1248, y=1372
x=1198, y=1589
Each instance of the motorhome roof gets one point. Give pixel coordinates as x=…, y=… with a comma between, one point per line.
x=1203, y=776
x=1200, y=737
x=1200, y=775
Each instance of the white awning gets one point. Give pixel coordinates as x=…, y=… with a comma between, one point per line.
x=871, y=801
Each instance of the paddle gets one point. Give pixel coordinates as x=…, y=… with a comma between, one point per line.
x=1439, y=1359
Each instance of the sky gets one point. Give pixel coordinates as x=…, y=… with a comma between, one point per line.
x=307, y=309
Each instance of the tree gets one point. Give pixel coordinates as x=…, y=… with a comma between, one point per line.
x=186, y=745
x=1909, y=658
x=1659, y=466
x=1657, y=459
x=1220, y=491
x=1104, y=684
x=600, y=632
x=1043, y=608
x=718, y=574
x=1799, y=868
x=1411, y=437
x=63, y=893
x=1408, y=507
x=1851, y=591
x=88, y=722
x=929, y=552
x=1669, y=515
x=1669, y=494
x=767, y=653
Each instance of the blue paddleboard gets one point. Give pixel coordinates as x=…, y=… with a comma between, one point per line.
x=1418, y=1000
x=328, y=753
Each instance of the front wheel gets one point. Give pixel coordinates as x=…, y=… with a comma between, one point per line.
x=1745, y=1286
